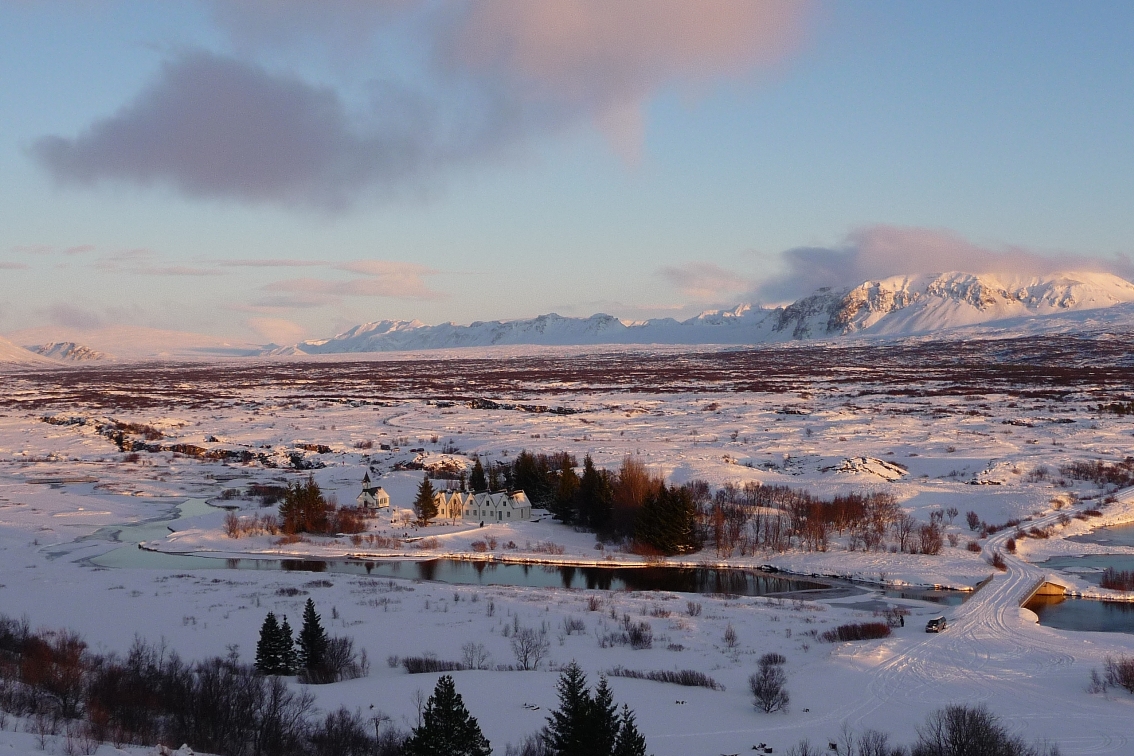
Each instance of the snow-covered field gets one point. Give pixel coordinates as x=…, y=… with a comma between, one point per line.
x=938, y=434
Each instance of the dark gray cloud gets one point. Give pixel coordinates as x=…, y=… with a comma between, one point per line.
x=212, y=126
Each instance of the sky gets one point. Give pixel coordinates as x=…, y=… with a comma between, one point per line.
x=275, y=170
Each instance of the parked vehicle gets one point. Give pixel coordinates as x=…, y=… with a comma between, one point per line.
x=935, y=625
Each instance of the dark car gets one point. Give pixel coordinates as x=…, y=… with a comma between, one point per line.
x=935, y=625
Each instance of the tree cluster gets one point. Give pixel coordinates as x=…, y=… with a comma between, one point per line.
x=314, y=657
x=275, y=651
x=304, y=509
x=587, y=724
x=151, y=695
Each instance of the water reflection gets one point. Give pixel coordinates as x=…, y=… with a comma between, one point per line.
x=1083, y=614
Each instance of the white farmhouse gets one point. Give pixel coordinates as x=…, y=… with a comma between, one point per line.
x=372, y=497
x=502, y=506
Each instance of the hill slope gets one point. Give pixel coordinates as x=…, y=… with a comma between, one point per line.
x=12, y=355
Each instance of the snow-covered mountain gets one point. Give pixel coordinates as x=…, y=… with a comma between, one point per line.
x=895, y=306
x=129, y=343
x=68, y=351
x=13, y=355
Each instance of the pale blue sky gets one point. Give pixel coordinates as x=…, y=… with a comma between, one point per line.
x=1003, y=124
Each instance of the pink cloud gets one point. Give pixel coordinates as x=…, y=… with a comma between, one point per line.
x=705, y=281
x=607, y=58
x=881, y=251
x=378, y=278
x=13, y=266
x=277, y=330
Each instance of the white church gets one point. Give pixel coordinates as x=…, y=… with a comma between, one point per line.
x=372, y=497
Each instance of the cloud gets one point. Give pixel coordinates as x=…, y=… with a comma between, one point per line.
x=491, y=75
x=705, y=281
x=13, y=266
x=881, y=251
x=70, y=316
x=79, y=250
x=272, y=263
x=140, y=262
x=606, y=59
x=378, y=278
x=277, y=330
x=33, y=249
x=218, y=127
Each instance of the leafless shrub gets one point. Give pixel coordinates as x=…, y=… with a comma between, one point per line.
x=572, y=625
x=594, y=603
x=687, y=677
x=418, y=665
x=857, y=631
x=730, y=639
x=692, y=608
x=1118, y=580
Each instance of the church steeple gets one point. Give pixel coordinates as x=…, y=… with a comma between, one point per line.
x=366, y=481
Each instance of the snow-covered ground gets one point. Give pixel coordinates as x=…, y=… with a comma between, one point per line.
x=64, y=487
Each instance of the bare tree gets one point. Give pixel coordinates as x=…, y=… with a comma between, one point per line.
x=768, y=689
x=529, y=646
x=475, y=655
x=903, y=528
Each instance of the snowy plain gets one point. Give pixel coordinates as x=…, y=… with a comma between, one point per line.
x=937, y=428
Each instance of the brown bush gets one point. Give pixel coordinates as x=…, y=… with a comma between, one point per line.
x=857, y=631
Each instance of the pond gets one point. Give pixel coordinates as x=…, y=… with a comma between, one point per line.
x=1119, y=535
x=704, y=580
x=1083, y=614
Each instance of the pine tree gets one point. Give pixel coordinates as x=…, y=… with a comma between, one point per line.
x=304, y=510
x=424, y=505
x=269, y=659
x=667, y=521
x=568, y=728
x=312, y=640
x=288, y=656
x=447, y=729
x=477, y=482
x=596, y=496
x=566, y=492
x=630, y=742
x=493, y=477
x=604, y=725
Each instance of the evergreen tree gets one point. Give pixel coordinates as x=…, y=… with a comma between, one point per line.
x=304, y=510
x=667, y=521
x=630, y=742
x=566, y=492
x=289, y=657
x=596, y=496
x=493, y=477
x=604, y=724
x=447, y=729
x=269, y=653
x=312, y=640
x=569, y=730
x=424, y=505
x=477, y=482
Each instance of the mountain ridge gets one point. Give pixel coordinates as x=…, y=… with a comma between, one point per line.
x=904, y=305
